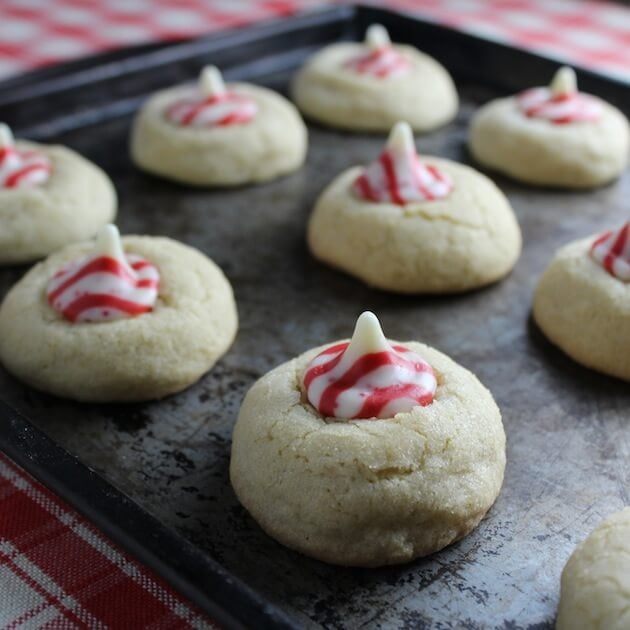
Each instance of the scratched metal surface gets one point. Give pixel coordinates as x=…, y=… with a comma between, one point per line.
x=568, y=429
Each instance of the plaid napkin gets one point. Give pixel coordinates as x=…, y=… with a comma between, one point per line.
x=57, y=571
x=33, y=33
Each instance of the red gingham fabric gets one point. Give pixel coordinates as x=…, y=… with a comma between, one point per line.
x=594, y=34
x=57, y=571
x=33, y=33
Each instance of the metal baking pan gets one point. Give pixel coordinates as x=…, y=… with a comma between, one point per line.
x=171, y=502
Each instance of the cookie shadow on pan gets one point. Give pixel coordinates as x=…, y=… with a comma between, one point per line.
x=13, y=273
x=561, y=367
x=151, y=181
x=511, y=185
x=346, y=287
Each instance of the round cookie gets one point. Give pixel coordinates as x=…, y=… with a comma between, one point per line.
x=595, y=585
x=368, y=492
x=465, y=239
x=585, y=310
x=217, y=135
x=190, y=325
x=579, y=145
x=369, y=86
x=69, y=199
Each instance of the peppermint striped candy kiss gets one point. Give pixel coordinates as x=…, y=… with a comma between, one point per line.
x=399, y=176
x=211, y=104
x=367, y=377
x=383, y=60
x=612, y=251
x=105, y=286
x=560, y=103
x=20, y=169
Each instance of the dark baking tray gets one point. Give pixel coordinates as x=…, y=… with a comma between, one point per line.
x=568, y=429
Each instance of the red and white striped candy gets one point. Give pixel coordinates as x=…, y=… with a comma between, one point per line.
x=367, y=377
x=383, y=60
x=212, y=105
x=398, y=176
x=383, y=63
x=612, y=251
x=105, y=286
x=216, y=111
x=20, y=169
x=560, y=103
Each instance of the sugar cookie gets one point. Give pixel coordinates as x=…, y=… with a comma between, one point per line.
x=415, y=225
x=50, y=196
x=595, y=586
x=371, y=85
x=102, y=324
x=552, y=136
x=214, y=134
x=368, y=491
x=582, y=302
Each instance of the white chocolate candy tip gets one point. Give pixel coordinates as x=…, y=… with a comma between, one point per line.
x=108, y=243
x=6, y=136
x=401, y=138
x=563, y=82
x=211, y=82
x=399, y=175
x=367, y=337
x=377, y=36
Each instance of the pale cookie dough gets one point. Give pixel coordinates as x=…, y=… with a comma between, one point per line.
x=595, y=586
x=335, y=95
x=270, y=145
x=139, y=358
x=368, y=492
x=71, y=206
x=581, y=154
x=468, y=239
x=585, y=311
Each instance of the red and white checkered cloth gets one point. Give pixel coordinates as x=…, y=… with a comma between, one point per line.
x=594, y=34
x=57, y=571
x=33, y=33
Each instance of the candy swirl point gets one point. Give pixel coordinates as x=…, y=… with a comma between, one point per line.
x=20, y=168
x=382, y=60
x=211, y=104
x=399, y=176
x=367, y=377
x=105, y=286
x=612, y=251
x=560, y=103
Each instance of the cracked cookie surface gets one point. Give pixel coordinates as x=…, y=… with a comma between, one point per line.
x=537, y=151
x=368, y=492
x=327, y=92
x=149, y=356
x=595, y=585
x=77, y=199
x=272, y=144
x=585, y=311
x=467, y=240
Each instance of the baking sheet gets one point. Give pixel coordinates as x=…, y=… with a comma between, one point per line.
x=567, y=427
